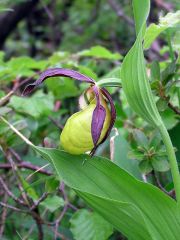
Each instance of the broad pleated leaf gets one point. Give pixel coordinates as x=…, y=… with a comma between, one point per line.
x=139, y=210
x=133, y=71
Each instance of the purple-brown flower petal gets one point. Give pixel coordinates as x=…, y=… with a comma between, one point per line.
x=55, y=72
x=113, y=112
x=113, y=118
x=98, y=118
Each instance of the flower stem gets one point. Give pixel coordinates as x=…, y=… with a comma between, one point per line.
x=172, y=160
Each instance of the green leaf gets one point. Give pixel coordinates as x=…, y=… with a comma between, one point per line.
x=20, y=67
x=51, y=184
x=62, y=87
x=133, y=72
x=109, y=82
x=145, y=166
x=160, y=164
x=138, y=210
x=161, y=105
x=36, y=106
x=168, y=72
x=169, y=118
x=170, y=19
x=135, y=154
x=155, y=71
x=87, y=71
x=100, y=52
x=154, y=30
x=121, y=148
x=112, y=76
x=52, y=203
x=57, y=57
x=24, y=63
x=29, y=189
x=140, y=137
x=4, y=110
x=90, y=226
x=176, y=41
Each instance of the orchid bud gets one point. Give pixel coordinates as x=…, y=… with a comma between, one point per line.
x=87, y=129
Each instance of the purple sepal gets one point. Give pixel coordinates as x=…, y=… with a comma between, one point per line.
x=113, y=112
x=98, y=118
x=55, y=72
x=113, y=118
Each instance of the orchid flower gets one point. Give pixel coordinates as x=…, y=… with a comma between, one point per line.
x=87, y=129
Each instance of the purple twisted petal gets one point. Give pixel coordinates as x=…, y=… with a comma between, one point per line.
x=113, y=118
x=55, y=72
x=98, y=118
x=113, y=112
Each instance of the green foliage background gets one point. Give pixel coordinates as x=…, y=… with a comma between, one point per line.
x=90, y=37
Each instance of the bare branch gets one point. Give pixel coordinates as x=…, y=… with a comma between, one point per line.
x=26, y=165
x=12, y=208
x=9, y=193
x=6, y=98
x=3, y=217
x=166, y=6
x=57, y=222
x=41, y=199
x=118, y=10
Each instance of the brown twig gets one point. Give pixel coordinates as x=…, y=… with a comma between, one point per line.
x=9, y=193
x=13, y=208
x=6, y=98
x=117, y=8
x=39, y=222
x=18, y=177
x=166, y=6
x=3, y=217
x=58, y=220
x=66, y=206
x=41, y=199
x=166, y=99
x=26, y=165
x=49, y=14
x=15, y=154
x=175, y=109
x=159, y=185
x=62, y=190
x=58, y=125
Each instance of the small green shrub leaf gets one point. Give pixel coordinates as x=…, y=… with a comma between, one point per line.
x=90, y=226
x=52, y=203
x=100, y=52
x=154, y=30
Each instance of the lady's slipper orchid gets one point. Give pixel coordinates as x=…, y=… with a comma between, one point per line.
x=87, y=129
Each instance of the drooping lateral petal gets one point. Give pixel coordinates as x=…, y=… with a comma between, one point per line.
x=98, y=118
x=113, y=112
x=55, y=72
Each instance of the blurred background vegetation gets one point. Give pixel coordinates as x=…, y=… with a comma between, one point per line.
x=91, y=36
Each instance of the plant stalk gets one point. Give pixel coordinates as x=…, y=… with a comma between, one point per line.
x=172, y=160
